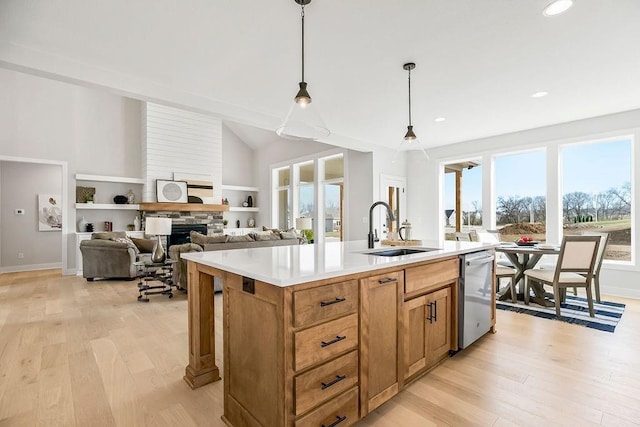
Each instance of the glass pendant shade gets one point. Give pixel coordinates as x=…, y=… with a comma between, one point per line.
x=303, y=122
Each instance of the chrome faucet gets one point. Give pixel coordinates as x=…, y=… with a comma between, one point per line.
x=389, y=217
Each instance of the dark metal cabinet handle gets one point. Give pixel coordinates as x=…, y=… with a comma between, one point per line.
x=335, y=301
x=337, y=379
x=430, y=318
x=387, y=280
x=337, y=339
x=338, y=420
x=435, y=311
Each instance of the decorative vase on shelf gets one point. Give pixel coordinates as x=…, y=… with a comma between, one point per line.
x=250, y=201
x=237, y=223
x=131, y=198
x=136, y=223
x=82, y=225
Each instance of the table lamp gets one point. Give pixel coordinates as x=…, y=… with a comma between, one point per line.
x=304, y=224
x=158, y=227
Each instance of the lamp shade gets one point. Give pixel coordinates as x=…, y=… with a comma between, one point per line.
x=158, y=226
x=303, y=224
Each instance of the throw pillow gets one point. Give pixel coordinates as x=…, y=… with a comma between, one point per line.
x=201, y=239
x=267, y=236
x=128, y=242
x=286, y=235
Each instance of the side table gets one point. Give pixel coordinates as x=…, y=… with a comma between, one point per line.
x=160, y=272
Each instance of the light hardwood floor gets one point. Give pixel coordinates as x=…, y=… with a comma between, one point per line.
x=84, y=354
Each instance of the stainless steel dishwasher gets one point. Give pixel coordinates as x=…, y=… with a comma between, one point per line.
x=474, y=296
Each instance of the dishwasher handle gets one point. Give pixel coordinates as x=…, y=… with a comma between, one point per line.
x=480, y=260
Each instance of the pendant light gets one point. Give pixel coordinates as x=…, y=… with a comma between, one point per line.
x=410, y=140
x=302, y=121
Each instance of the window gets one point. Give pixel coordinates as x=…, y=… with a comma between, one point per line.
x=520, y=189
x=470, y=175
x=596, y=193
x=282, y=202
x=333, y=197
x=311, y=188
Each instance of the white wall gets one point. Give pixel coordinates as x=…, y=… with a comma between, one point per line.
x=237, y=167
x=20, y=185
x=94, y=131
x=615, y=279
x=180, y=141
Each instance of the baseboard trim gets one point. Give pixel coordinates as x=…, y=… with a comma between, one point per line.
x=619, y=292
x=31, y=267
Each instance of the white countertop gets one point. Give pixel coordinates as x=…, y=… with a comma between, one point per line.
x=295, y=264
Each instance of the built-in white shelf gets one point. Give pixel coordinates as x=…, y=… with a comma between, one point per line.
x=242, y=209
x=104, y=178
x=238, y=188
x=108, y=206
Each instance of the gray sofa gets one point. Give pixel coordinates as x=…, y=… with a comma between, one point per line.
x=200, y=242
x=111, y=255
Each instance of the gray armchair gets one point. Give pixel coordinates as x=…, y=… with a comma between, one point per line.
x=108, y=255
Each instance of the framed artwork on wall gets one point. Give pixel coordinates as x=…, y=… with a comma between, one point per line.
x=171, y=191
x=199, y=187
x=49, y=212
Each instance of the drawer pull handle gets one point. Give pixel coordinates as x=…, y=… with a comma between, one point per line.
x=387, y=280
x=338, y=420
x=337, y=379
x=335, y=301
x=337, y=339
x=435, y=311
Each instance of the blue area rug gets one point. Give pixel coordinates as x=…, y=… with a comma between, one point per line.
x=574, y=310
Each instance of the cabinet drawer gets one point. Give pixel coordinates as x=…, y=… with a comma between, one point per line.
x=325, y=382
x=324, y=302
x=427, y=276
x=319, y=343
x=342, y=411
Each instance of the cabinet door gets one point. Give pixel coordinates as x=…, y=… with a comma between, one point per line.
x=438, y=325
x=415, y=312
x=379, y=369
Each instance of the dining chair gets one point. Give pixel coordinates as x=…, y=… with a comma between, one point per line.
x=507, y=273
x=604, y=238
x=575, y=268
x=493, y=236
x=463, y=236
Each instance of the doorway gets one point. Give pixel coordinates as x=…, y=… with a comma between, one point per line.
x=20, y=234
x=393, y=192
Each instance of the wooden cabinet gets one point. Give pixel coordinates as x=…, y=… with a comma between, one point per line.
x=380, y=298
x=332, y=351
x=429, y=320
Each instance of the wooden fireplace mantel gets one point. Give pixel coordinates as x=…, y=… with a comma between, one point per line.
x=183, y=207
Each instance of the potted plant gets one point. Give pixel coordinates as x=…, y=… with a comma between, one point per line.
x=308, y=235
x=88, y=198
x=224, y=223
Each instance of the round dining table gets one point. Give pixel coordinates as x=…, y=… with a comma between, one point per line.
x=524, y=258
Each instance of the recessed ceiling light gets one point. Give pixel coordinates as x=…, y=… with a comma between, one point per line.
x=557, y=7
x=539, y=94
x=440, y=119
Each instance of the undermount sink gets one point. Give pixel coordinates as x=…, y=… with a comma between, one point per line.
x=399, y=251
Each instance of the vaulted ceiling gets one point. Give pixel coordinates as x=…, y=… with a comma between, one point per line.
x=478, y=62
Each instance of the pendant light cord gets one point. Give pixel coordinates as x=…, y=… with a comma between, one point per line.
x=302, y=15
x=409, y=97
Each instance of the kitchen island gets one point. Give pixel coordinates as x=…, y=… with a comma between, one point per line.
x=321, y=334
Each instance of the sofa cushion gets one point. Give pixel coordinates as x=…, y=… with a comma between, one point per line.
x=201, y=239
x=288, y=235
x=237, y=239
x=265, y=236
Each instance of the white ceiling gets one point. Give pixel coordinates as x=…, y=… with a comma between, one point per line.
x=478, y=61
